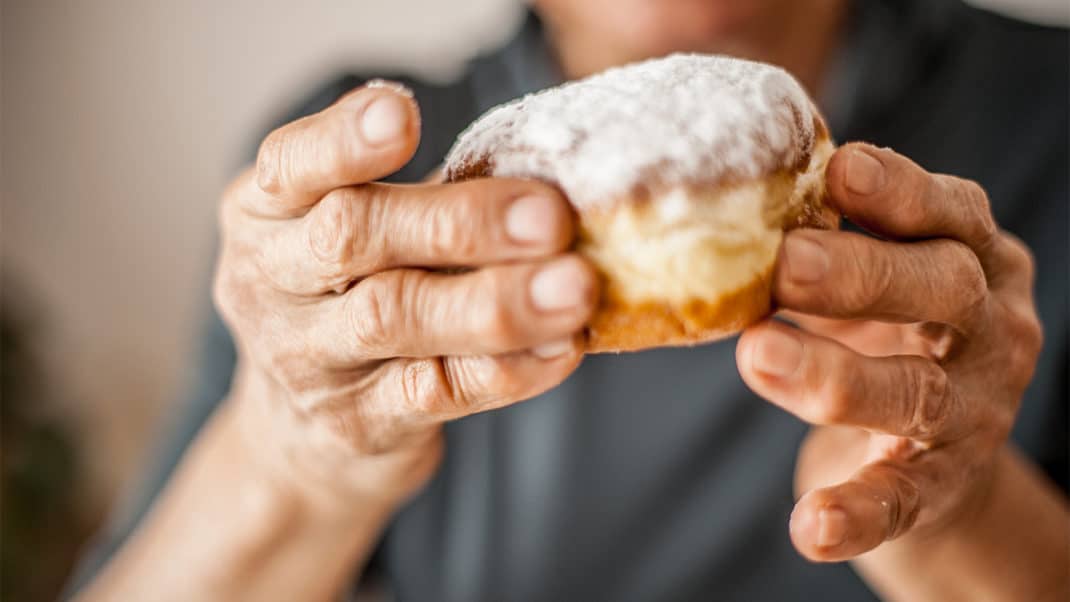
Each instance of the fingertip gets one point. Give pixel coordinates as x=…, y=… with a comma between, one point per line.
x=540, y=219
x=855, y=170
x=820, y=530
x=803, y=262
x=387, y=116
x=745, y=345
x=568, y=284
x=560, y=349
x=367, y=134
x=559, y=208
x=839, y=522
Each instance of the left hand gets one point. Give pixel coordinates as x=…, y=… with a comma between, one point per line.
x=912, y=354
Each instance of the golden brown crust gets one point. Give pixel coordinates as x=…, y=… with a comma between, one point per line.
x=621, y=326
x=793, y=198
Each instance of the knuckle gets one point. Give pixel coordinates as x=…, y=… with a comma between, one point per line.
x=833, y=408
x=1003, y=419
x=967, y=280
x=347, y=427
x=1028, y=335
x=222, y=295
x=427, y=388
x=877, y=277
x=932, y=403
x=453, y=229
x=333, y=235
x=268, y=162
x=232, y=296
x=976, y=201
x=230, y=202
x=834, y=405
x=481, y=381
x=905, y=502
x=496, y=324
x=351, y=427
x=918, y=188
x=297, y=375
x=1019, y=256
x=371, y=308
x=278, y=161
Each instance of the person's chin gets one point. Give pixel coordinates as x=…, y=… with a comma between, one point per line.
x=674, y=26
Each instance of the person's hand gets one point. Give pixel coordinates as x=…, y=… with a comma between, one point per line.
x=913, y=354
x=354, y=346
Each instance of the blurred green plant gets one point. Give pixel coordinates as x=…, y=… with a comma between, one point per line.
x=42, y=524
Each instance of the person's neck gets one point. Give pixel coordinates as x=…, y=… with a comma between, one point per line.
x=802, y=41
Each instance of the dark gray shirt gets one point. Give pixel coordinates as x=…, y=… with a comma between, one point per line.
x=658, y=475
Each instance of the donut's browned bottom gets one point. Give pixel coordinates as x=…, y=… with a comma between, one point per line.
x=622, y=326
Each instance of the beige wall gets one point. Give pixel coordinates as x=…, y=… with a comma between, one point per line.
x=121, y=121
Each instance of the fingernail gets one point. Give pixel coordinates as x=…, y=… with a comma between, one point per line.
x=831, y=527
x=532, y=219
x=865, y=174
x=553, y=349
x=561, y=285
x=384, y=120
x=777, y=354
x=805, y=260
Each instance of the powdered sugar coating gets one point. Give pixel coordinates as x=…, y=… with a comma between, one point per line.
x=683, y=119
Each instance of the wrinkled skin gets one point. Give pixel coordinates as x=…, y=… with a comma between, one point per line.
x=349, y=346
x=913, y=352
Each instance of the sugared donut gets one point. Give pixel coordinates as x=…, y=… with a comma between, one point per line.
x=684, y=171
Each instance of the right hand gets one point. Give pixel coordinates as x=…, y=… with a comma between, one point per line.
x=352, y=352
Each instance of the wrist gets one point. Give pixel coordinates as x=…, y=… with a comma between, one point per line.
x=299, y=459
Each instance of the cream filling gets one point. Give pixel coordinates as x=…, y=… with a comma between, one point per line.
x=691, y=243
x=685, y=244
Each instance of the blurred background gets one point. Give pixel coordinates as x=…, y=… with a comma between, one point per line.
x=121, y=122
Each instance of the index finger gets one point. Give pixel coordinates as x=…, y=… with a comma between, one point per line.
x=368, y=134
x=892, y=196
